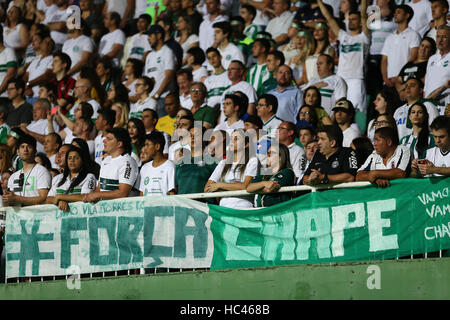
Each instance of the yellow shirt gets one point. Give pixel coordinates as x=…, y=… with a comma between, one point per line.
x=166, y=124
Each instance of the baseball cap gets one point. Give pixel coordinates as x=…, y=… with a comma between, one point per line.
x=155, y=28
x=254, y=120
x=26, y=138
x=344, y=105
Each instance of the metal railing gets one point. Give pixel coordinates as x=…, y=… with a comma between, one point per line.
x=197, y=196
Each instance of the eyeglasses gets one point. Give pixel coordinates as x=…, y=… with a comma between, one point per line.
x=195, y=90
x=261, y=105
x=304, y=113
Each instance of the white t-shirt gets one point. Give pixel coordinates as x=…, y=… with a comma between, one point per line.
x=39, y=127
x=401, y=159
x=141, y=7
x=349, y=134
x=193, y=38
x=118, y=6
x=156, y=63
x=438, y=158
x=7, y=59
x=234, y=175
x=230, y=128
x=113, y=171
x=99, y=148
x=353, y=55
x=271, y=126
x=397, y=48
x=422, y=16
x=34, y=180
x=242, y=86
x=216, y=84
x=74, y=48
x=57, y=16
x=336, y=89
x=108, y=41
x=88, y=185
x=438, y=72
x=157, y=181
x=186, y=101
x=206, y=31
x=230, y=53
x=37, y=68
x=11, y=36
x=198, y=74
x=138, y=107
x=280, y=25
x=297, y=156
x=139, y=45
x=401, y=115
x=379, y=36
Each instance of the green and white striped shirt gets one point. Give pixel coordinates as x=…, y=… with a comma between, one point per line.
x=257, y=75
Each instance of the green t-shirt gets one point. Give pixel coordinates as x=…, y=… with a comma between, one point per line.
x=4, y=131
x=206, y=114
x=192, y=177
x=268, y=85
x=285, y=177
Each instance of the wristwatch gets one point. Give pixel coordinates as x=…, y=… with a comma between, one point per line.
x=156, y=96
x=325, y=179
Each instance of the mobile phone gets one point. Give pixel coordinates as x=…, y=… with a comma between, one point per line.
x=422, y=161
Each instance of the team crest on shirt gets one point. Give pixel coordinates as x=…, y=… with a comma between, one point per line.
x=228, y=57
x=76, y=49
x=158, y=60
x=445, y=63
x=147, y=179
x=335, y=164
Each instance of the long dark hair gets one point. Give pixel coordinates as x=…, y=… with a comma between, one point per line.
x=84, y=170
x=312, y=115
x=141, y=134
x=229, y=158
x=93, y=166
x=363, y=149
x=422, y=139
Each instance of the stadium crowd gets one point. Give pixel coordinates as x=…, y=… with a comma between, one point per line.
x=164, y=97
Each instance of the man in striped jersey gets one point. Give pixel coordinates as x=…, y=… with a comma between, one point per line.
x=258, y=73
x=218, y=82
x=266, y=110
x=331, y=86
x=119, y=171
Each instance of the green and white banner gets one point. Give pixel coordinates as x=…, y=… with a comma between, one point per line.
x=411, y=216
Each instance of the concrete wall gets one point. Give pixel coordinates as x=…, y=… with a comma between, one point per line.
x=402, y=279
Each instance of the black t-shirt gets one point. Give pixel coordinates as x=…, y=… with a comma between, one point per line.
x=22, y=114
x=342, y=161
x=413, y=70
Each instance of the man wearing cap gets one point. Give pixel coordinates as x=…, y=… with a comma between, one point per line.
x=160, y=64
x=286, y=134
x=29, y=185
x=400, y=47
x=353, y=52
x=333, y=163
x=279, y=25
x=266, y=109
x=206, y=33
x=344, y=116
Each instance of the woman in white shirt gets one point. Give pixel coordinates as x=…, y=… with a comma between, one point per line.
x=15, y=34
x=132, y=71
x=185, y=37
x=144, y=85
x=74, y=182
x=235, y=172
